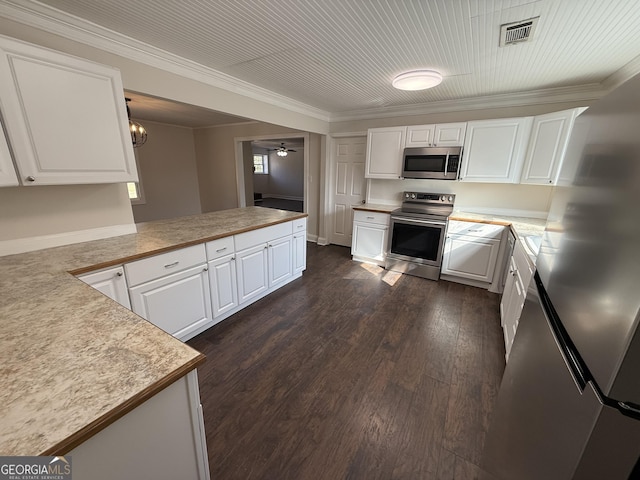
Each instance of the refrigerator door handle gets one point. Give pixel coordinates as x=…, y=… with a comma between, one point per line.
x=576, y=366
x=629, y=409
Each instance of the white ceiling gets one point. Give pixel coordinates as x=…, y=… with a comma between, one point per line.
x=339, y=56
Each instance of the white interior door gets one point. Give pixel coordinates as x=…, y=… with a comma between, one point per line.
x=347, y=186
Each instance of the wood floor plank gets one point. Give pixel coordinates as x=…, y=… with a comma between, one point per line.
x=351, y=372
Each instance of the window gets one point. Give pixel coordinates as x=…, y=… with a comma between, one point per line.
x=136, y=193
x=260, y=163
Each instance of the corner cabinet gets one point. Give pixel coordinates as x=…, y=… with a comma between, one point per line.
x=370, y=236
x=384, y=152
x=547, y=146
x=65, y=118
x=494, y=150
x=110, y=282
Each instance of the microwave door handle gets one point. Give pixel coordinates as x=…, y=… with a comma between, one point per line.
x=446, y=163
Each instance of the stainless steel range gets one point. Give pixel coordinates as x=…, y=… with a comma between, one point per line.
x=417, y=233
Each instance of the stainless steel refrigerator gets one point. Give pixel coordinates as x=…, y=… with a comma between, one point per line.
x=569, y=402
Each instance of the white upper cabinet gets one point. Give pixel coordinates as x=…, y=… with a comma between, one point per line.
x=8, y=175
x=384, y=152
x=494, y=150
x=65, y=117
x=440, y=135
x=420, y=136
x=547, y=146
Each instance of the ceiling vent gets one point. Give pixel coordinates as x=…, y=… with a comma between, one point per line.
x=517, y=32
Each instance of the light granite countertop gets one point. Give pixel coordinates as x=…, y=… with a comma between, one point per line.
x=73, y=361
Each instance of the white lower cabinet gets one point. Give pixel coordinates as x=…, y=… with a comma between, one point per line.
x=252, y=272
x=224, y=285
x=515, y=292
x=370, y=232
x=111, y=282
x=280, y=258
x=188, y=290
x=471, y=252
x=163, y=438
x=179, y=303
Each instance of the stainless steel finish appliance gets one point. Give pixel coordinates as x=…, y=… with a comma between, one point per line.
x=441, y=163
x=569, y=402
x=417, y=233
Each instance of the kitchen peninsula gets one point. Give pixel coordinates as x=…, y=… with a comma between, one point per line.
x=74, y=361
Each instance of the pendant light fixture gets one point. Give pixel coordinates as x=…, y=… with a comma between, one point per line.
x=138, y=132
x=417, y=80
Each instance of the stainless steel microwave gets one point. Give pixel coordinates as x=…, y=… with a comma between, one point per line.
x=440, y=163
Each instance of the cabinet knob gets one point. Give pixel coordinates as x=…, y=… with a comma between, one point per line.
x=119, y=274
x=31, y=178
x=205, y=269
x=233, y=258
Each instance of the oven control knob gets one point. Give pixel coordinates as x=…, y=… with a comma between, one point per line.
x=442, y=198
x=406, y=195
x=450, y=198
x=413, y=196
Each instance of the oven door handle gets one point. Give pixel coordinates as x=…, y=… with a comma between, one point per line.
x=420, y=222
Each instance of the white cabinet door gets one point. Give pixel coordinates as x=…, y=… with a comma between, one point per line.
x=420, y=135
x=280, y=255
x=299, y=252
x=384, y=152
x=65, y=117
x=111, y=282
x=8, y=175
x=251, y=265
x=547, y=146
x=369, y=242
x=449, y=134
x=178, y=303
x=224, y=285
x=494, y=150
x=470, y=257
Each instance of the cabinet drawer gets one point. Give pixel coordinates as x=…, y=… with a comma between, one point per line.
x=262, y=235
x=371, y=217
x=219, y=248
x=300, y=225
x=164, y=264
x=473, y=229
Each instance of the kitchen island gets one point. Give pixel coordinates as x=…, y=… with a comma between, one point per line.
x=73, y=360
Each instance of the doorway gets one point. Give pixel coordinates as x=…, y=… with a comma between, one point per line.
x=271, y=171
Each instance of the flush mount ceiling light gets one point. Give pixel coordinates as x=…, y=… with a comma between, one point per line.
x=138, y=132
x=417, y=80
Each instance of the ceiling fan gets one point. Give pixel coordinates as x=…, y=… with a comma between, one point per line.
x=282, y=151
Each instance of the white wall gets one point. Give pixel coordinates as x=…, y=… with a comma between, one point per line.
x=168, y=171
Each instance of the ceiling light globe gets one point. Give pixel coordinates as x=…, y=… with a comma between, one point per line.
x=417, y=80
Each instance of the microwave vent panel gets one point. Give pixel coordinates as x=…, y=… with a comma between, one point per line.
x=517, y=32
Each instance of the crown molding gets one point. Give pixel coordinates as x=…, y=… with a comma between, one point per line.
x=621, y=75
x=581, y=93
x=49, y=19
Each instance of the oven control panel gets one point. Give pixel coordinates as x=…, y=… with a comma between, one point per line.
x=430, y=198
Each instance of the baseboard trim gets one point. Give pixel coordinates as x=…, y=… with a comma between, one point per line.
x=29, y=244
x=312, y=238
x=323, y=241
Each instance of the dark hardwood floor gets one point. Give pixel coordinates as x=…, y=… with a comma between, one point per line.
x=352, y=372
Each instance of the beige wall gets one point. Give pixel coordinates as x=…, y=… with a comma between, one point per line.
x=47, y=210
x=523, y=200
x=168, y=171
x=286, y=176
x=215, y=156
